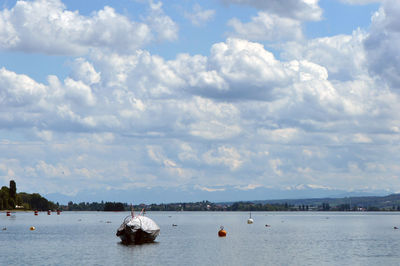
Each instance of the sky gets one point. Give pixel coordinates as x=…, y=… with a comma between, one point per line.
x=160, y=101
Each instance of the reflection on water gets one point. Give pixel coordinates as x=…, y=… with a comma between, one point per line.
x=301, y=238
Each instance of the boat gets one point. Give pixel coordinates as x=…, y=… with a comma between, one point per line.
x=138, y=229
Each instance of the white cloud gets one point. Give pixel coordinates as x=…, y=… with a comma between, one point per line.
x=52, y=171
x=342, y=55
x=282, y=135
x=148, y=121
x=84, y=71
x=20, y=90
x=145, y=94
x=211, y=120
x=360, y=2
x=46, y=26
x=296, y=9
x=208, y=189
x=223, y=155
x=199, y=16
x=187, y=153
x=79, y=92
x=267, y=27
x=45, y=135
x=249, y=187
x=240, y=69
x=275, y=165
x=361, y=138
x=163, y=25
x=382, y=43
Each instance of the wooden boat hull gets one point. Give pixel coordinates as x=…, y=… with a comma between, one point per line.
x=136, y=236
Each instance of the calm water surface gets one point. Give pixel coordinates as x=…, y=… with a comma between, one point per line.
x=301, y=238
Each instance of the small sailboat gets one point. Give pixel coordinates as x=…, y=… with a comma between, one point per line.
x=250, y=220
x=138, y=229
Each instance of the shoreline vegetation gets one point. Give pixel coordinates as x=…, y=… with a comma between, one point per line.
x=11, y=200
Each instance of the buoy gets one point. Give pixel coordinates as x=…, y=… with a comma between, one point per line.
x=32, y=228
x=8, y=214
x=222, y=232
x=48, y=212
x=36, y=213
x=250, y=220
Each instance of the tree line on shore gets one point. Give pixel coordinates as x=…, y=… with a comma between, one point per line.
x=11, y=200
x=210, y=206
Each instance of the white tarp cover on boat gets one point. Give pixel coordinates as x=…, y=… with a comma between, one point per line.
x=144, y=223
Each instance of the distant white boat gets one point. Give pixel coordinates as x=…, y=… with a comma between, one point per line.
x=250, y=220
x=138, y=229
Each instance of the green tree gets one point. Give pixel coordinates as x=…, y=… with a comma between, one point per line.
x=326, y=207
x=113, y=206
x=13, y=190
x=37, y=202
x=5, y=195
x=11, y=203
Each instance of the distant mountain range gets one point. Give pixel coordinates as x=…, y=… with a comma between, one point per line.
x=297, y=194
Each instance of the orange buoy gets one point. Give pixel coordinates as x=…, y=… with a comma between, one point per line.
x=32, y=228
x=222, y=232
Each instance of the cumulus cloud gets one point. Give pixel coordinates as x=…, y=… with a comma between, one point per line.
x=360, y=2
x=240, y=69
x=275, y=165
x=342, y=55
x=312, y=112
x=162, y=24
x=382, y=43
x=199, y=16
x=46, y=26
x=84, y=71
x=145, y=94
x=20, y=90
x=52, y=171
x=267, y=27
x=296, y=9
x=227, y=156
x=208, y=189
x=210, y=120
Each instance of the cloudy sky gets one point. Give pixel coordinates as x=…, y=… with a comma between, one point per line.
x=187, y=97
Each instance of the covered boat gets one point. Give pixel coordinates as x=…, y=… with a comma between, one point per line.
x=138, y=229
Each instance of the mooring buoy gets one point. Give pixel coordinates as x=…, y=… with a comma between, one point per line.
x=222, y=232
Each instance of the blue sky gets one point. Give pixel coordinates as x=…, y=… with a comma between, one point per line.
x=192, y=100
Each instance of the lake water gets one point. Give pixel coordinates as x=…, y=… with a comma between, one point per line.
x=294, y=238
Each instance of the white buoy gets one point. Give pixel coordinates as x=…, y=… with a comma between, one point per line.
x=250, y=220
